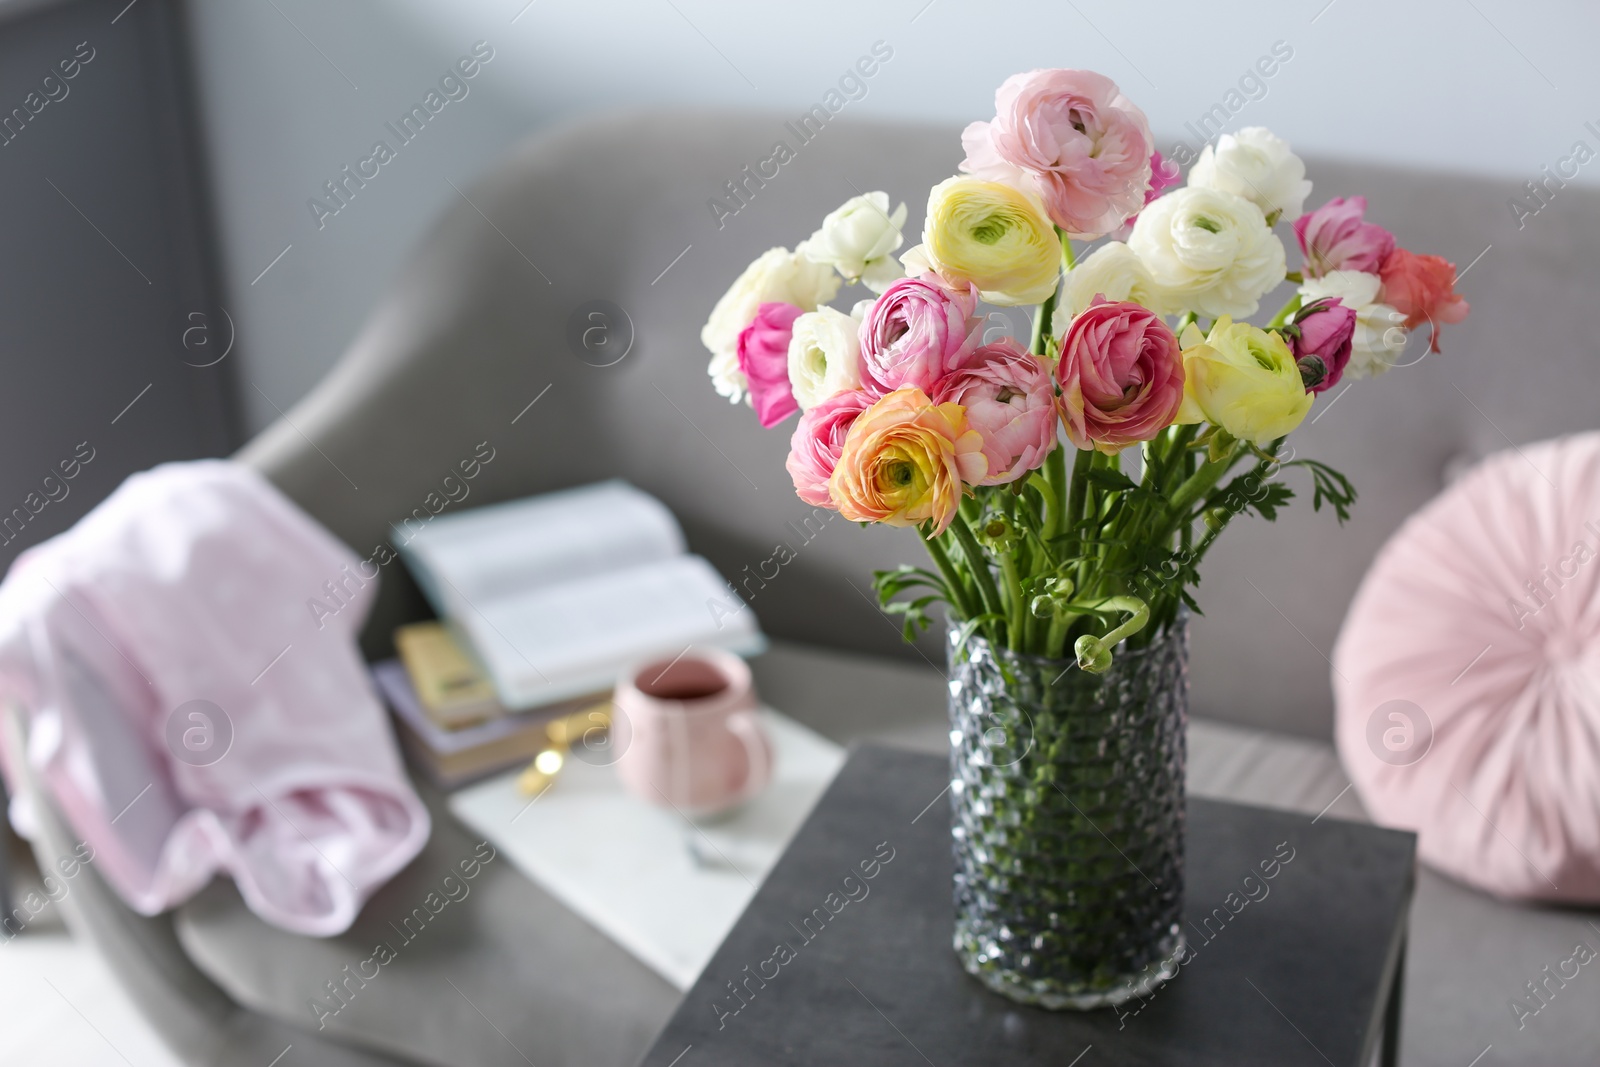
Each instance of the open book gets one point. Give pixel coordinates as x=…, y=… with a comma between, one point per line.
x=558, y=594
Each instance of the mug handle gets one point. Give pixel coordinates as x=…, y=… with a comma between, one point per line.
x=758, y=751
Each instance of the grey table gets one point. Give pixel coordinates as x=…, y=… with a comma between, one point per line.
x=1296, y=926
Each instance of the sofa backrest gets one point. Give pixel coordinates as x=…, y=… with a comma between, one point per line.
x=487, y=318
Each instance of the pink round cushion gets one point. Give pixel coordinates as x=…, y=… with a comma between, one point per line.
x=1467, y=676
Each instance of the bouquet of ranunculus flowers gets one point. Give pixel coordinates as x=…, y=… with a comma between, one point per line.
x=908, y=417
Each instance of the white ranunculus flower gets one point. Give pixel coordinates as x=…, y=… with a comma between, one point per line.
x=726, y=377
x=882, y=273
x=1112, y=271
x=915, y=261
x=777, y=276
x=1256, y=164
x=858, y=240
x=1209, y=251
x=1380, y=336
x=824, y=356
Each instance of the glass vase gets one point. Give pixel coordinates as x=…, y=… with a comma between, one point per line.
x=1068, y=797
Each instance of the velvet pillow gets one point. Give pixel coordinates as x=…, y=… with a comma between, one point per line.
x=1467, y=676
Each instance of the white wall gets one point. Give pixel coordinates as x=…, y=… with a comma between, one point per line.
x=1489, y=86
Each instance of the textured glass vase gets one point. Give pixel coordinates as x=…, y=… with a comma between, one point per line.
x=1068, y=797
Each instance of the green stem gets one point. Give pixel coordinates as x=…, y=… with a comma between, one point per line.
x=1018, y=616
x=1198, y=552
x=1041, y=322
x=1077, y=494
x=1171, y=463
x=1094, y=653
x=1178, y=456
x=960, y=596
x=1041, y=484
x=1138, y=615
x=1285, y=312
x=1056, y=472
x=978, y=566
x=1201, y=482
x=1055, y=640
x=1077, y=501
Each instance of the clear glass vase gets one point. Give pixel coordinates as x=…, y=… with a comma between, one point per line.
x=1068, y=798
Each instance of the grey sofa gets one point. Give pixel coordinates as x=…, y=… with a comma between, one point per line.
x=477, y=327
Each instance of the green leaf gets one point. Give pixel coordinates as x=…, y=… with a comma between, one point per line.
x=1329, y=485
x=915, y=612
x=1113, y=480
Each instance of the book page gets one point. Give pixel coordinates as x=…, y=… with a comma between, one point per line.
x=554, y=642
x=466, y=560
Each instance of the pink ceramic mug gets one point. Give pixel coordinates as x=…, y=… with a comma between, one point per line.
x=688, y=734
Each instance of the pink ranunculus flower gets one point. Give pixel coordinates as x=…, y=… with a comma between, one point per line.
x=1073, y=139
x=1121, y=376
x=764, y=359
x=1011, y=401
x=1423, y=289
x=1336, y=237
x=918, y=331
x=1321, y=338
x=818, y=439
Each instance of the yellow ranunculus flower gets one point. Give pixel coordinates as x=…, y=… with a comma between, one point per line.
x=994, y=236
x=1243, y=379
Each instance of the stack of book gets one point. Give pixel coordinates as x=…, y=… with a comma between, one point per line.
x=543, y=603
x=450, y=723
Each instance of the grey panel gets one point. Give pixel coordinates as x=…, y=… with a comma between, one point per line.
x=104, y=258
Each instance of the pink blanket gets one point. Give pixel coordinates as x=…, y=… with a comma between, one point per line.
x=190, y=714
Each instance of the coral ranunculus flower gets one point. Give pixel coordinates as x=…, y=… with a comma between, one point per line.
x=904, y=462
x=1121, y=376
x=1422, y=288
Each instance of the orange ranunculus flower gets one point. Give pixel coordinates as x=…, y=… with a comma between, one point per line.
x=904, y=462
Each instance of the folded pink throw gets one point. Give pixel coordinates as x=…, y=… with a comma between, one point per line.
x=190, y=715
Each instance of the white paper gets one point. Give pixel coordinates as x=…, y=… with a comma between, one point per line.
x=627, y=867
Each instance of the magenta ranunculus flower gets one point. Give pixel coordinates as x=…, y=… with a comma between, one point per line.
x=918, y=331
x=1072, y=138
x=1011, y=401
x=1121, y=375
x=1320, y=338
x=818, y=439
x=764, y=359
x=1336, y=237
x=1164, y=174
